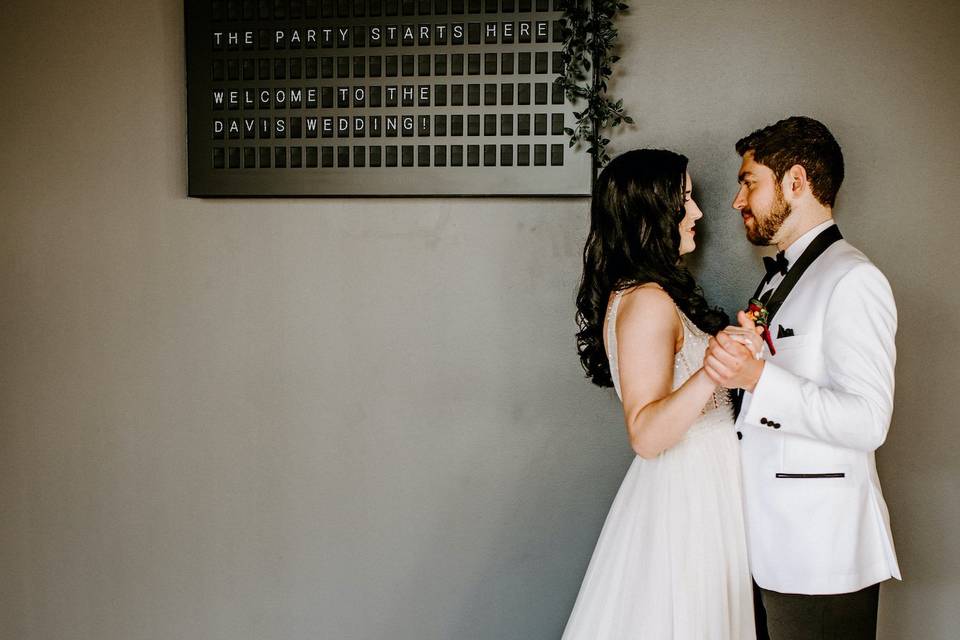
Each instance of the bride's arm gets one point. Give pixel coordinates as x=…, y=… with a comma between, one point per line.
x=648, y=329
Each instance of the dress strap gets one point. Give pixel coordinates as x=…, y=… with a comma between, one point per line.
x=612, y=319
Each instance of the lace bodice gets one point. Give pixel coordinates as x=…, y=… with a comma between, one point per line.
x=686, y=362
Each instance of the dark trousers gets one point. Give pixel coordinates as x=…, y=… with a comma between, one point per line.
x=844, y=616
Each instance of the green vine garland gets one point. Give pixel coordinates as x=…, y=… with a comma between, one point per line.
x=589, y=36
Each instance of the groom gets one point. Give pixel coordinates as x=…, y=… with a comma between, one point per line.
x=813, y=413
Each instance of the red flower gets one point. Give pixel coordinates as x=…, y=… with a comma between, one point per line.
x=761, y=317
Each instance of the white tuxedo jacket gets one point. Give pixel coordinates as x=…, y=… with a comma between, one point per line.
x=816, y=519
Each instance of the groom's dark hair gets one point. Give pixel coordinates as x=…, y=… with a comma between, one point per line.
x=803, y=141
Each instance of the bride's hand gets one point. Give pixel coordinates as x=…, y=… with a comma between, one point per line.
x=750, y=338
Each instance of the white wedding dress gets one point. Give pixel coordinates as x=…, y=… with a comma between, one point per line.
x=671, y=560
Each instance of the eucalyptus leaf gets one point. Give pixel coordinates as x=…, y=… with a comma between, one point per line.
x=589, y=35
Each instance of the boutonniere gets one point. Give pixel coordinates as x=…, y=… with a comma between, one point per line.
x=761, y=317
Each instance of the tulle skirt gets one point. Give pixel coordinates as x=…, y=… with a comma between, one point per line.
x=671, y=560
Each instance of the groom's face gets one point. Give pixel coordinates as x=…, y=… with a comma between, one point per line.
x=760, y=201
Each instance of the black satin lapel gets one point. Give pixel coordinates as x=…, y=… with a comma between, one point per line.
x=813, y=251
x=826, y=238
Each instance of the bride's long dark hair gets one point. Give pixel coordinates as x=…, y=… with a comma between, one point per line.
x=634, y=239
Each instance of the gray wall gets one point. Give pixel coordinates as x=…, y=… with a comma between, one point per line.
x=365, y=419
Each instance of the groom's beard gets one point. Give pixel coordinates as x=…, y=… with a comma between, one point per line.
x=766, y=227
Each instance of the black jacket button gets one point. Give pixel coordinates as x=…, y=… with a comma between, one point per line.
x=739, y=436
x=763, y=421
x=776, y=425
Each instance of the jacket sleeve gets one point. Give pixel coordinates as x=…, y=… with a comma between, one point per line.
x=853, y=409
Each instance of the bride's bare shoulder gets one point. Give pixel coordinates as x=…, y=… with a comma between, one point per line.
x=647, y=302
x=649, y=315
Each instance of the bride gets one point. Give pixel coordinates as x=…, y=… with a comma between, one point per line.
x=671, y=560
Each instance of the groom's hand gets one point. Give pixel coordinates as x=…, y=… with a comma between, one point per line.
x=731, y=364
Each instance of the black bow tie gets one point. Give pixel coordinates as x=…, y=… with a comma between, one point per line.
x=775, y=265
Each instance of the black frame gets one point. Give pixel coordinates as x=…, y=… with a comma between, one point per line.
x=566, y=171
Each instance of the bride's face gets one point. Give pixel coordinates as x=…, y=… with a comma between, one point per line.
x=692, y=214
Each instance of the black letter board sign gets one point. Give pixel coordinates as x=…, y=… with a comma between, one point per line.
x=378, y=97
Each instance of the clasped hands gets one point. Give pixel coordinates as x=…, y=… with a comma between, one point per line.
x=733, y=356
